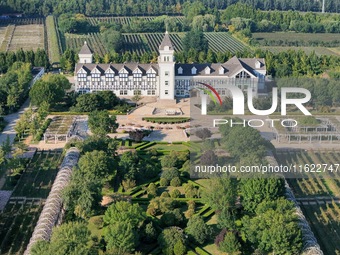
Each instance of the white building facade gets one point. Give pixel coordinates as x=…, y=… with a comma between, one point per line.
x=166, y=79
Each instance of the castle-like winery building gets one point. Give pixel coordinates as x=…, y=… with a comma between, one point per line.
x=166, y=79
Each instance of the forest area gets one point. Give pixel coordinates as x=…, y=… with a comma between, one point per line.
x=149, y=7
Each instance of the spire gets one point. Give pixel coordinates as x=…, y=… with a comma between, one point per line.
x=166, y=42
x=85, y=49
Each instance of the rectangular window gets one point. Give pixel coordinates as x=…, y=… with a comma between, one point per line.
x=166, y=73
x=123, y=92
x=137, y=92
x=166, y=83
x=166, y=92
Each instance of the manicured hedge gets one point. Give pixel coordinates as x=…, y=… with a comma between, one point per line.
x=166, y=120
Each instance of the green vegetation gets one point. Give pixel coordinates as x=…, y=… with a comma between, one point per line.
x=166, y=120
x=50, y=89
x=139, y=7
x=101, y=123
x=53, y=39
x=324, y=218
x=297, y=39
x=34, y=180
x=14, y=86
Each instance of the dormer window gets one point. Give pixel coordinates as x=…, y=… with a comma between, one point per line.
x=95, y=76
x=194, y=70
x=257, y=64
x=180, y=70
x=221, y=70
x=109, y=76
x=207, y=70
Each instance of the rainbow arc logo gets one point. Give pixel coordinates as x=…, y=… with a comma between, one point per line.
x=213, y=94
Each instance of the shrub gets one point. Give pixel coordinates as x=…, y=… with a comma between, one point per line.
x=165, y=194
x=175, y=193
x=176, y=182
x=163, y=182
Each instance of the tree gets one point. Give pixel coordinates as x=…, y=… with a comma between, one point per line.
x=274, y=228
x=203, y=133
x=113, y=40
x=152, y=190
x=175, y=193
x=69, y=238
x=49, y=89
x=121, y=237
x=256, y=190
x=168, y=239
x=208, y=158
x=170, y=173
x=197, y=230
x=230, y=244
x=96, y=165
x=137, y=135
x=220, y=193
x=195, y=40
x=101, y=123
x=180, y=248
x=175, y=182
x=150, y=233
x=124, y=212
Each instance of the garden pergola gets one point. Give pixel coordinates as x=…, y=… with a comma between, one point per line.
x=327, y=131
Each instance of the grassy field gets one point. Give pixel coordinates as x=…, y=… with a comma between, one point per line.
x=52, y=39
x=149, y=42
x=29, y=36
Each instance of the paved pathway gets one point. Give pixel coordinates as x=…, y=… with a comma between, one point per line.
x=9, y=131
x=12, y=119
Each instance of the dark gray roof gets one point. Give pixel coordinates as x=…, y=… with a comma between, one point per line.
x=166, y=42
x=85, y=49
x=232, y=67
x=130, y=67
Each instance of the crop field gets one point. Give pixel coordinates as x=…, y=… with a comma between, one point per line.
x=20, y=215
x=318, y=195
x=26, y=34
x=318, y=50
x=325, y=223
x=124, y=20
x=318, y=184
x=149, y=42
x=17, y=223
x=292, y=36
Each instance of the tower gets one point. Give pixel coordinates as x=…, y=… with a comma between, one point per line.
x=166, y=63
x=85, y=55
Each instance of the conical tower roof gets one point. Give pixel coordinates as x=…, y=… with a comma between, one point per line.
x=85, y=49
x=166, y=42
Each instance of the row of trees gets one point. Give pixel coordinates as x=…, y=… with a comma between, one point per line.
x=139, y=7
x=32, y=122
x=242, y=17
x=38, y=58
x=283, y=64
x=14, y=86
